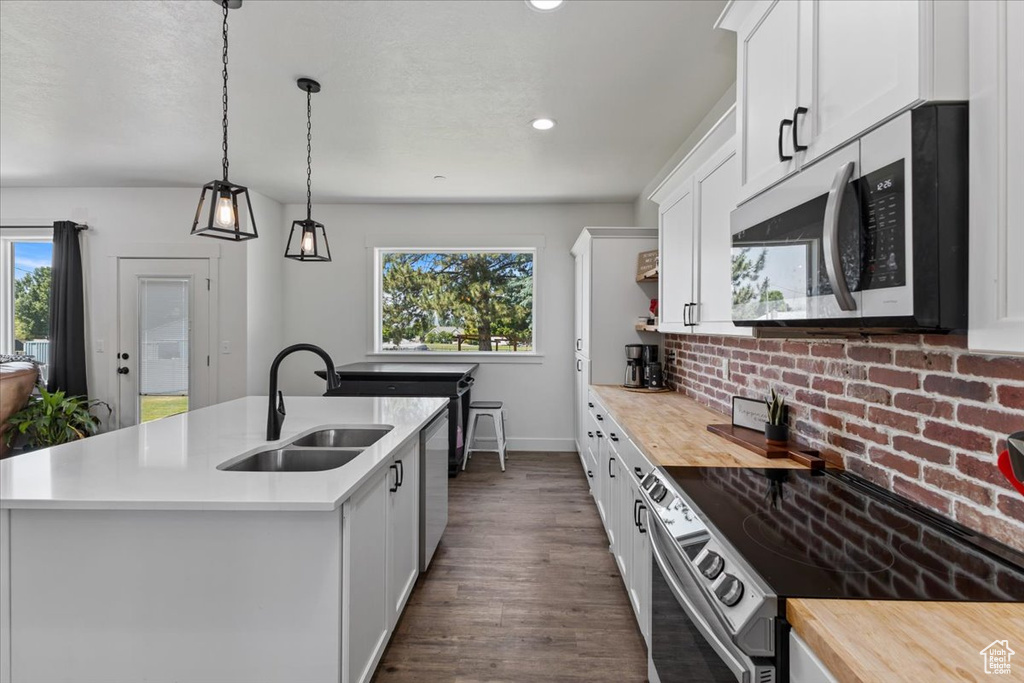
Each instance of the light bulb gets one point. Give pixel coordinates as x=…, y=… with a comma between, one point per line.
x=307, y=242
x=224, y=216
x=543, y=124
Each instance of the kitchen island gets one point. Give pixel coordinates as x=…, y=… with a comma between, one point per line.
x=130, y=556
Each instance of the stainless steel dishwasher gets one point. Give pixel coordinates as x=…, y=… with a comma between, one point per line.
x=433, y=487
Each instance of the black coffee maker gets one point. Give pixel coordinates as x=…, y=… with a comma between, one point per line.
x=653, y=377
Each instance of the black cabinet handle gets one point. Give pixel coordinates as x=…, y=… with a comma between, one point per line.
x=401, y=472
x=579, y=366
x=590, y=405
x=395, y=487
x=600, y=418
x=579, y=344
x=636, y=513
x=782, y=125
x=638, y=471
x=693, y=308
x=590, y=474
x=613, y=437
x=590, y=434
x=598, y=434
x=610, y=473
x=639, y=522
x=686, y=309
x=799, y=111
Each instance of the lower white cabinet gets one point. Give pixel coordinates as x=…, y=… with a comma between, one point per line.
x=380, y=561
x=640, y=564
x=804, y=665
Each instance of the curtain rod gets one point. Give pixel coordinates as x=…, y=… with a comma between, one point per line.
x=78, y=226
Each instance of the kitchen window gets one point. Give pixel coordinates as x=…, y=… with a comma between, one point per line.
x=451, y=301
x=26, y=256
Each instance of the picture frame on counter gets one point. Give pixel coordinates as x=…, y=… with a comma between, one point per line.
x=749, y=412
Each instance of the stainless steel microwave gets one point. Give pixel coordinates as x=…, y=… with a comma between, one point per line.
x=872, y=236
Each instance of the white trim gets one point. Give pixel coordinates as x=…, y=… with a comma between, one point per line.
x=7, y=239
x=146, y=250
x=482, y=357
x=447, y=244
x=415, y=242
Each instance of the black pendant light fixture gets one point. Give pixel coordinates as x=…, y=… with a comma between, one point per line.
x=221, y=220
x=308, y=239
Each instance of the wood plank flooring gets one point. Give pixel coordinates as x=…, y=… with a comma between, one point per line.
x=522, y=587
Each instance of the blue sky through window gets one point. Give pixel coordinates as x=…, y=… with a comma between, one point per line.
x=31, y=255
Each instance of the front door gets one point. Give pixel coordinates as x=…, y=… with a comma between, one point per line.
x=163, y=338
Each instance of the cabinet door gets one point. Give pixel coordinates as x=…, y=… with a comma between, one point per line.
x=766, y=94
x=675, y=283
x=365, y=614
x=583, y=294
x=624, y=520
x=610, y=491
x=996, y=299
x=578, y=305
x=403, y=529
x=716, y=187
x=640, y=568
x=859, y=65
x=581, y=402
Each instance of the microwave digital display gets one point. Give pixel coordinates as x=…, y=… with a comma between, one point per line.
x=883, y=222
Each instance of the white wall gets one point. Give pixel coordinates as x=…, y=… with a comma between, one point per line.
x=265, y=290
x=329, y=303
x=646, y=211
x=150, y=219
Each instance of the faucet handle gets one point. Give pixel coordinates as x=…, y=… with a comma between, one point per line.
x=280, y=403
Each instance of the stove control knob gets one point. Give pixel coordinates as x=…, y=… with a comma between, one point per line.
x=730, y=590
x=710, y=564
x=658, y=493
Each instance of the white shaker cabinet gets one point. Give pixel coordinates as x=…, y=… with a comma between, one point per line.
x=403, y=529
x=366, y=622
x=675, y=283
x=814, y=74
x=996, y=299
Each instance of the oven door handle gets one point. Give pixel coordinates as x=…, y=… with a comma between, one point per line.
x=830, y=238
x=720, y=646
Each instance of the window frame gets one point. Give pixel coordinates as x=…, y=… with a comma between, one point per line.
x=8, y=236
x=376, y=309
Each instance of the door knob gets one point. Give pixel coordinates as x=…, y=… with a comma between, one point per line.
x=122, y=371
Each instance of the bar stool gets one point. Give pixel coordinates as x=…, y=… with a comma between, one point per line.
x=491, y=409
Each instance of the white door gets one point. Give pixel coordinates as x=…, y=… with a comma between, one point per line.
x=640, y=570
x=996, y=300
x=675, y=282
x=365, y=621
x=403, y=530
x=624, y=520
x=766, y=95
x=716, y=187
x=163, y=353
x=846, y=88
x=584, y=300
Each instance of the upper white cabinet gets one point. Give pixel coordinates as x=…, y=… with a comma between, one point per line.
x=695, y=240
x=814, y=74
x=996, y=302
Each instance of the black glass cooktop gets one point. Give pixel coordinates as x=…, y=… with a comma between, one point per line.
x=833, y=535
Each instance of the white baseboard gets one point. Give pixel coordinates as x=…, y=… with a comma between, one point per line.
x=530, y=444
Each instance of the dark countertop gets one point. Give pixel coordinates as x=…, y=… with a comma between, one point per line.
x=396, y=371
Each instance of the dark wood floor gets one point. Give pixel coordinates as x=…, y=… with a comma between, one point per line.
x=522, y=587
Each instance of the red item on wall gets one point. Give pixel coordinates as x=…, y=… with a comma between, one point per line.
x=654, y=307
x=1007, y=470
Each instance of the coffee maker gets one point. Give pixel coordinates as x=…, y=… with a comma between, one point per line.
x=652, y=368
x=634, y=366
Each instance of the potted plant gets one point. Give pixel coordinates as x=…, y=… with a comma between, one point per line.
x=776, y=431
x=53, y=419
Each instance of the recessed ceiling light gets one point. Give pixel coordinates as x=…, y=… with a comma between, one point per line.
x=544, y=5
x=543, y=124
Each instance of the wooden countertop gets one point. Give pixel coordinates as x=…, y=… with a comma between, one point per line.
x=671, y=429
x=876, y=641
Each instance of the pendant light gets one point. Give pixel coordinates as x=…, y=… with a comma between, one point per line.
x=222, y=220
x=310, y=242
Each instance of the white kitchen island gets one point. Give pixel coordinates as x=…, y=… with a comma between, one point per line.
x=130, y=557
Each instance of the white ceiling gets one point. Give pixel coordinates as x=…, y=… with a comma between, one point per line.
x=127, y=93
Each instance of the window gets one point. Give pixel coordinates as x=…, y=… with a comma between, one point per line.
x=455, y=301
x=27, y=256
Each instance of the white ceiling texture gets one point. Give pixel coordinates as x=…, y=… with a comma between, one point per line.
x=127, y=93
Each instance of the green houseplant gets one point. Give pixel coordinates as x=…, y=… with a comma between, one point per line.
x=54, y=418
x=775, y=429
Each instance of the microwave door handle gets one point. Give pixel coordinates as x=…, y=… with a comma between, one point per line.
x=830, y=238
x=720, y=645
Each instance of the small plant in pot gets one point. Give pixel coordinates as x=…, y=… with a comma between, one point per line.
x=52, y=419
x=776, y=431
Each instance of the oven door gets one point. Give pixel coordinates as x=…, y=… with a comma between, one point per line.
x=796, y=249
x=688, y=642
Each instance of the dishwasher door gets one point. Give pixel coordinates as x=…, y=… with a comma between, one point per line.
x=433, y=486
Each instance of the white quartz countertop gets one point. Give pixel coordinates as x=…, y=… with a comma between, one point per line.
x=171, y=464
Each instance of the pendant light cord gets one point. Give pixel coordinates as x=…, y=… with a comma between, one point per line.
x=224, y=98
x=309, y=155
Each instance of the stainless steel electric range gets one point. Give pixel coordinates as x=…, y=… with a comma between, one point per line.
x=730, y=545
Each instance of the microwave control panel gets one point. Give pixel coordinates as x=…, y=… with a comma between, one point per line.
x=884, y=225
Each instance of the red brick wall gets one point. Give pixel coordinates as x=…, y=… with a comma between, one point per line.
x=919, y=415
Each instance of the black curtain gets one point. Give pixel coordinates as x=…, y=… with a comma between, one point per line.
x=67, y=313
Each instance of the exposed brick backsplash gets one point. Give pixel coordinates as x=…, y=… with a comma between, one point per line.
x=917, y=414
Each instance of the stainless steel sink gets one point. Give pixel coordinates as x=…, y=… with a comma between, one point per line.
x=357, y=437
x=289, y=459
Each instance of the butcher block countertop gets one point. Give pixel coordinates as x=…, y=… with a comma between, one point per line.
x=671, y=429
x=882, y=641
